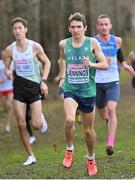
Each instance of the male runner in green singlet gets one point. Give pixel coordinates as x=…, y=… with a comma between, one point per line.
x=78, y=56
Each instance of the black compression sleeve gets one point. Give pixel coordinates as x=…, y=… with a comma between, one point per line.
x=120, y=56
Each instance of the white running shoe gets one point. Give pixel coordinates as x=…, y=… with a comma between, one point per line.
x=31, y=160
x=32, y=139
x=7, y=129
x=44, y=127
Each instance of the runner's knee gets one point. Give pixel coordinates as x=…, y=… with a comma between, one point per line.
x=21, y=124
x=104, y=116
x=69, y=122
x=89, y=132
x=36, y=125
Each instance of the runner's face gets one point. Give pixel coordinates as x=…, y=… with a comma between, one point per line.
x=19, y=31
x=104, y=26
x=77, y=29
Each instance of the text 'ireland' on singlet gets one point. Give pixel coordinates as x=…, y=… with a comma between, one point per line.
x=110, y=51
x=26, y=65
x=80, y=79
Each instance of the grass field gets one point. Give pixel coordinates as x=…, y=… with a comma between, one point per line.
x=49, y=148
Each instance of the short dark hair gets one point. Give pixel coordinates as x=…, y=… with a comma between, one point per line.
x=77, y=17
x=103, y=16
x=19, y=19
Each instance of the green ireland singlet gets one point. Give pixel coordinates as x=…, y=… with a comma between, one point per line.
x=80, y=79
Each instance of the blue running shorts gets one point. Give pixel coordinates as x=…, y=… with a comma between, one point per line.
x=107, y=92
x=85, y=105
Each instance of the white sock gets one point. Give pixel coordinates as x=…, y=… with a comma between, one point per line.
x=70, y=148
x=90, y=157
x=44, y=126
x=32, y=155
x=43, y=118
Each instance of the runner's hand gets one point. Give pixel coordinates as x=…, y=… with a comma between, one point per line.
x=87, y=62
x=9, y=74
x=61, y=83
x=44, y=89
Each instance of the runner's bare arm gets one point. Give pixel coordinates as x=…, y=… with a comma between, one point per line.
x=7, y=61
x=124, y=63
x=62, y=62
x=118, y=41
x=96, y=49
x=130, y=57
x=39, y=52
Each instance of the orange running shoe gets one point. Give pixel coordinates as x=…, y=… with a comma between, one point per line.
x=67, y=161
x=91, y=167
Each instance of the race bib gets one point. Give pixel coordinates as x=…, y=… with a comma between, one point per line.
x=78, y=73
x=24, y=67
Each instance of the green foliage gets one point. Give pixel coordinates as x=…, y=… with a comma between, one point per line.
x=128, y=44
